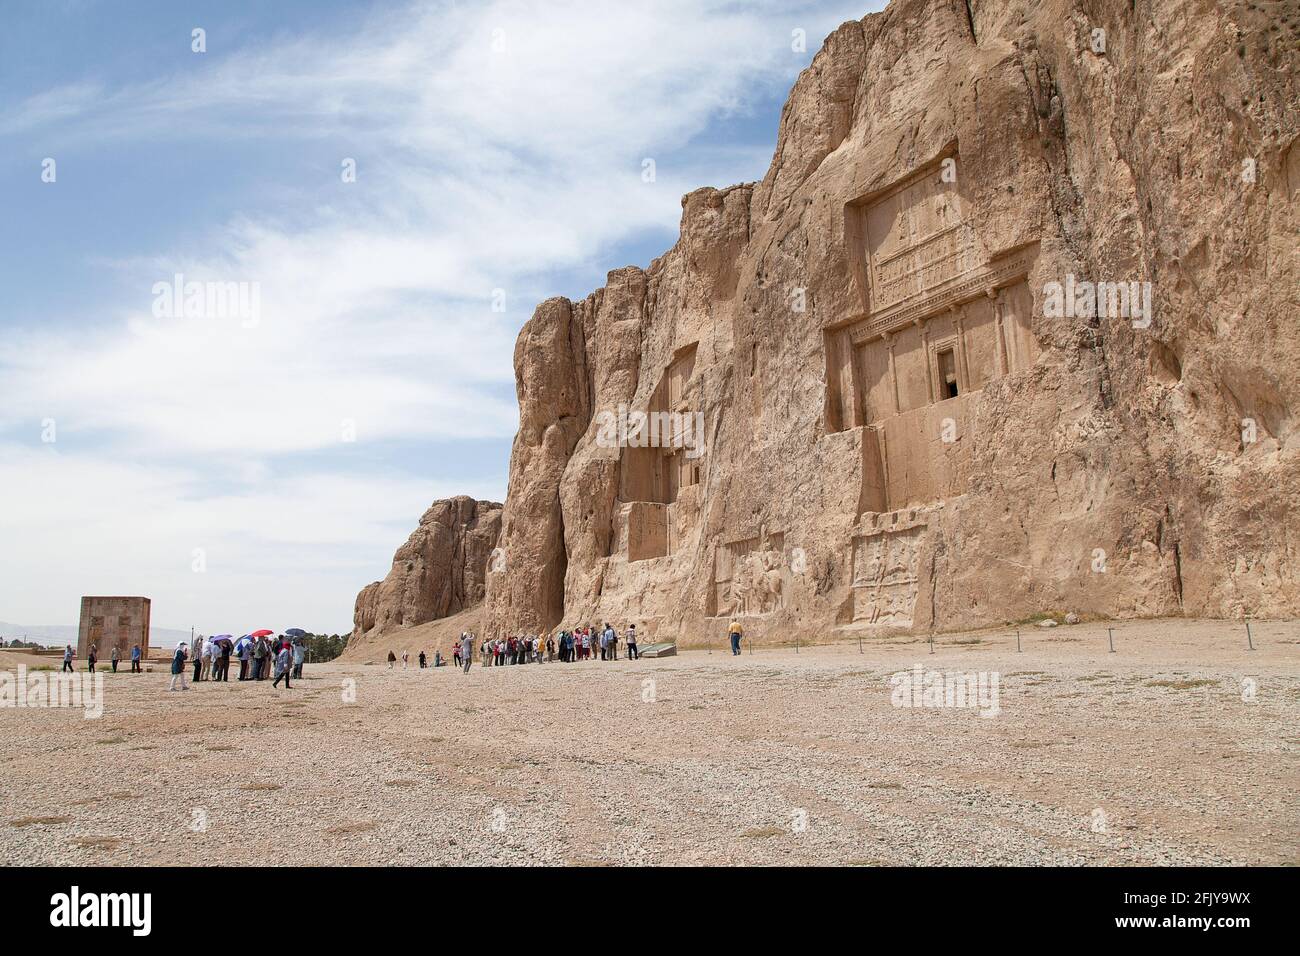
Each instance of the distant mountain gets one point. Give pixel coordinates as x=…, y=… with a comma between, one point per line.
x=53, y=635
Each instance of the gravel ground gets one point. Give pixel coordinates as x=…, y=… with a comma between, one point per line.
x=1157, y=754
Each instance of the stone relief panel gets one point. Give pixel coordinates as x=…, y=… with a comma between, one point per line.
x=918, y=238
x=748, y=577
x=885, y=576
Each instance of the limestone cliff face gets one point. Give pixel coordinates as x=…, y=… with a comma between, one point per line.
x=920, y=410
x=439, y=571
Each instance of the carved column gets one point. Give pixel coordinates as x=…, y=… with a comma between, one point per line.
x=996, y=297
x=963, y=373
x=893, y=370
x=929, y=364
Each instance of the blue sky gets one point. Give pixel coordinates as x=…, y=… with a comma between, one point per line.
x=257, y=467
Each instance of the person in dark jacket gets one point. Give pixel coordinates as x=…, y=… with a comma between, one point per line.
x=178, y=666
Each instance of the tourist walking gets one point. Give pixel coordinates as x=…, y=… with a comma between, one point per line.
x=68, y=654
x=283, y=666
x=406, y=659
x=135, y=659
x=632, y=652
x=225, y=648
x=198, y=658
x=467, y=650
x=392, y=659
x=114, y=656
x=178, y=666
x=91, y=657
x=299, y=657
x=735, y=630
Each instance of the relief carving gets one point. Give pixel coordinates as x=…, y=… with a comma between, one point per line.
x=885, y=576
x=748, y=576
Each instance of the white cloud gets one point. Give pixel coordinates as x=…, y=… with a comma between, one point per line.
x=282, y=551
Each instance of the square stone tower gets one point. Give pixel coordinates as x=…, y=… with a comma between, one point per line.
x=109, y=621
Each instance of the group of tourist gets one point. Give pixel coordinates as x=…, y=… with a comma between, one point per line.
x=260, y=658
x=579, y=644
x=92, y=657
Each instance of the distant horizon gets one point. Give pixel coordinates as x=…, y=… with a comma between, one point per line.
x=168, y=636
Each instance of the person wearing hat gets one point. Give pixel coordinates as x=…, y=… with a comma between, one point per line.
x=178, y=665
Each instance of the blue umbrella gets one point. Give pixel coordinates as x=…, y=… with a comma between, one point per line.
x=296, y=632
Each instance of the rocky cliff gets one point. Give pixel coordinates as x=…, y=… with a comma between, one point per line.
x=1007, y=327
x=438, y=572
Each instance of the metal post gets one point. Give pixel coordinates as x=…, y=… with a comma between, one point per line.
x=1110, y=632
x=932, y=642
x=1017, y=640
x=1249, y=642
x=859, y=642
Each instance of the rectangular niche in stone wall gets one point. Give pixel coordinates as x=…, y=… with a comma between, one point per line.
x=885, y=576
x=647, y=530
x=679, y=374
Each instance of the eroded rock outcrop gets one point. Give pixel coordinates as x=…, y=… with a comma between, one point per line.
x=439, y=571
x=915, y=412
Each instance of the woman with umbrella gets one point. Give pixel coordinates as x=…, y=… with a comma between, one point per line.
x=261, y=651
x=244, y=650
x=220, y=656
x=298, y=640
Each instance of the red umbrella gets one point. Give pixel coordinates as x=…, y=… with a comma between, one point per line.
x=261, y=633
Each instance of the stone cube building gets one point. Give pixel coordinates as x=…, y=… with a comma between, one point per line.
x=109, y=621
